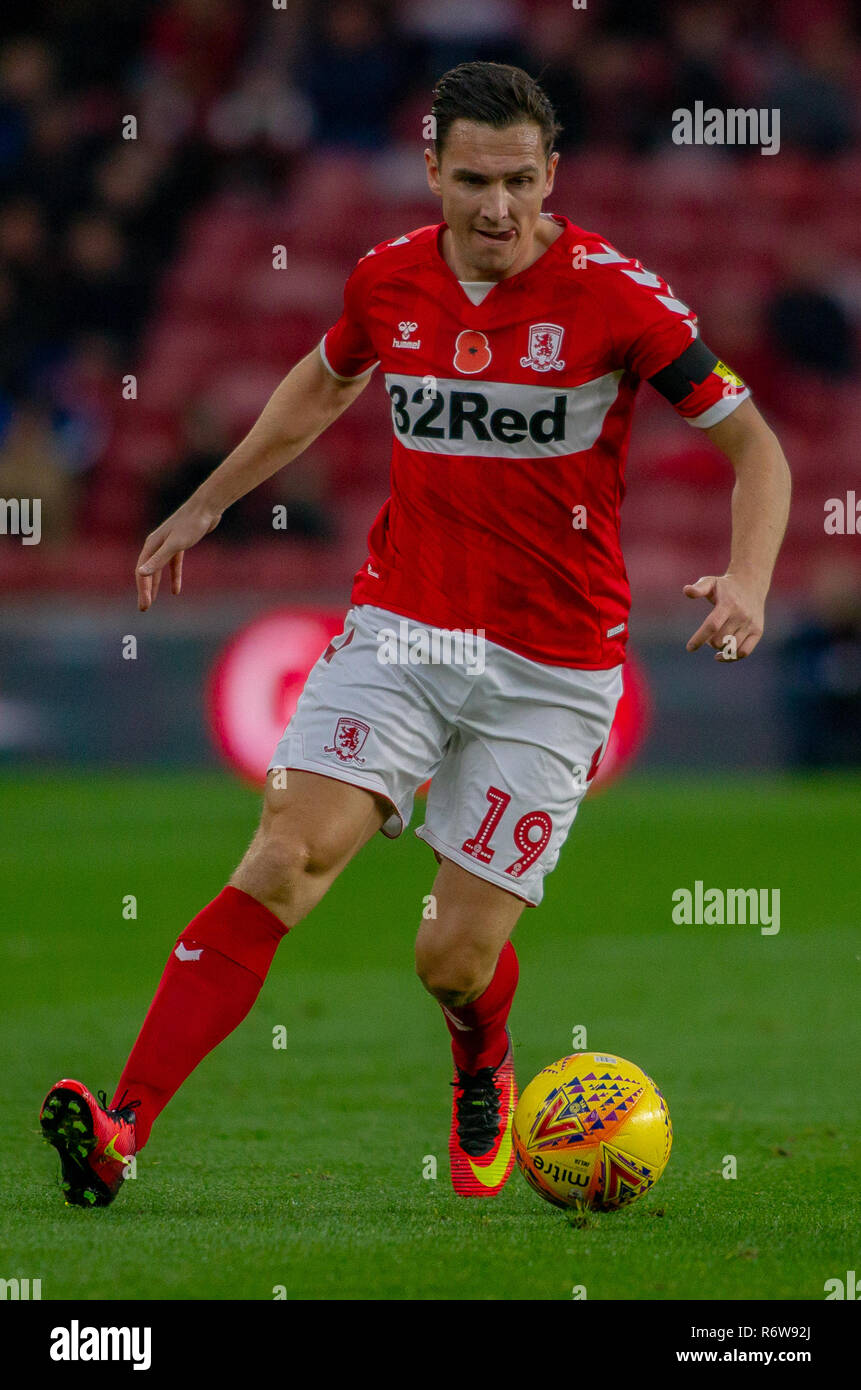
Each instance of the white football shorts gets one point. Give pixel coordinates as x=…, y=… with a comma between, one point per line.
x=511, y=744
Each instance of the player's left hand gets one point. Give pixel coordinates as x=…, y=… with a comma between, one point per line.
x=736, y=622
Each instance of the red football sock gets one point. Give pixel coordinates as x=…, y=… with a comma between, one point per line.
x=478, y=1029
x=210, y=982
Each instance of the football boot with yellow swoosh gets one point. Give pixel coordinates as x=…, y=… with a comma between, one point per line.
x=480, y=1147
x=95, y=1144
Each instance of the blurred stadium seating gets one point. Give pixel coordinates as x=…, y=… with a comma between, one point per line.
x=154, y=256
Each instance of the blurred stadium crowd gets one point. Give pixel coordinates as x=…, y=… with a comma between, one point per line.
x=262, y=124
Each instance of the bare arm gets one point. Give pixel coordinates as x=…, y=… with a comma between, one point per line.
x=307, y=401
x=760, y=507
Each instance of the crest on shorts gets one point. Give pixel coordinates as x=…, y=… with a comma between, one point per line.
x=545, y=340
x=349, y=739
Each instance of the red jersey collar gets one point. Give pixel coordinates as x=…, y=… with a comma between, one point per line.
x=541, y=260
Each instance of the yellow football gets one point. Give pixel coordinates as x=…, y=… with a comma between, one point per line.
x=592, y=1130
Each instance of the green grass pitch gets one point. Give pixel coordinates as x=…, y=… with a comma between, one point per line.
x=302, y=1168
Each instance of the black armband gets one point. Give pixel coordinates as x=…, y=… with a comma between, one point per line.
x=678, y=380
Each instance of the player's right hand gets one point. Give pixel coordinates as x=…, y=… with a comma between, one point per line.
x=166, y=545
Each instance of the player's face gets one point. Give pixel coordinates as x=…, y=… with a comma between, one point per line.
x=492, y=184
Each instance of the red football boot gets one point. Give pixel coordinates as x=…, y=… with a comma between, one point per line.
x=479, y=1145
x=94, y=1143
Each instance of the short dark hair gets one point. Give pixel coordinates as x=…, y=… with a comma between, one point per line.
x=493, y=94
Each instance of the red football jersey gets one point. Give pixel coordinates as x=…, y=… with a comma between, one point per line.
x=511, y=423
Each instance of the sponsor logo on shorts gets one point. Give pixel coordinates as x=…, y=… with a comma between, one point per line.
x=431, y=646
x=349, y=739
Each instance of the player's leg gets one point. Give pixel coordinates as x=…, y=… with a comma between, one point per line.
x=458, y=958
x=362, y=739
x=465, y=959
x=310, y=829
x=500, y=808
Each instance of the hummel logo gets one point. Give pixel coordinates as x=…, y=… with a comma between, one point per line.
x=183, y=953
x=405, y=329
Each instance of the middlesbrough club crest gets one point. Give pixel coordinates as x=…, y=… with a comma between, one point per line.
x=349, y=740
x=545, y=340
